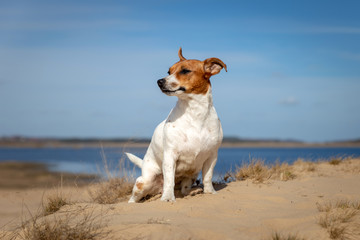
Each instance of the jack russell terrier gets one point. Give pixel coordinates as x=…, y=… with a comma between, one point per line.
x=187, y=142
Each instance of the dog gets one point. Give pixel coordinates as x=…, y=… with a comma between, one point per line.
x=187, y=142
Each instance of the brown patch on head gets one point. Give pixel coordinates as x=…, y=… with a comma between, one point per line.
x=194, y=75
x=191, y=75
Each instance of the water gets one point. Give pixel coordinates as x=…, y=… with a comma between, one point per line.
x=90, y=160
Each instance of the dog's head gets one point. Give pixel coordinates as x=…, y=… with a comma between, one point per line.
x=190, y=76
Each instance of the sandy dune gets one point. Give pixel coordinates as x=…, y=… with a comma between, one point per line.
x=240, y=210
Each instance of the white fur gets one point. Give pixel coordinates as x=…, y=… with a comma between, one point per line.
x=186, y=143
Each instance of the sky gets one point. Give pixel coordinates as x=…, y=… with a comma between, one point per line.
x=89, y=68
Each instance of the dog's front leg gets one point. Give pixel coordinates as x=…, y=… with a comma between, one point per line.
x=207, y=173
x=168, y=168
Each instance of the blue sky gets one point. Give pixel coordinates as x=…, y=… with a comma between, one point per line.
x=89, y=68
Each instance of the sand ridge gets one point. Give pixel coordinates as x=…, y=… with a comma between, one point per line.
x=241, y=210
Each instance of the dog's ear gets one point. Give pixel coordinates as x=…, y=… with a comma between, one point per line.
x=180, y=55
x=213, y=66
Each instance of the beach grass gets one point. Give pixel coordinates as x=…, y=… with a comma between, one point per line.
x=54, y=203
x=338, y=218
x=111, y=191
x=80, y=223
x=76, y=225
x=257, y=171
x=115, y=186
x=279, y=236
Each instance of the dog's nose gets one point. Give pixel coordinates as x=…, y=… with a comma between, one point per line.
x=161, y=82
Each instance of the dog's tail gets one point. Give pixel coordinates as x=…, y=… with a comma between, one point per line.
x=136, y=160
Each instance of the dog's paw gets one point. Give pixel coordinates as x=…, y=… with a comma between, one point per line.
x=131, y=200
x=168, y=198
x=210, y=190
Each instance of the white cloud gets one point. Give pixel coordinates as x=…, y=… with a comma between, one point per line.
x=350, y=56
x=60, y=9
x=233, y=57
x=289, y=101
x=292, y=26
x=74, y=24
x=310, y=29
x=67, y=17
x=334, y=30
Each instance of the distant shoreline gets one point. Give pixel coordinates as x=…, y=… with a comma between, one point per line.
x=143, y=143
x=26, y=175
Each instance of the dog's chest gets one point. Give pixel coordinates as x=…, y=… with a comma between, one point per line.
x=193, y=138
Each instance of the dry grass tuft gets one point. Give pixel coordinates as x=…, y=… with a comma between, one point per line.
x=255, y=170
x=5, y=235
x=259, y=172
x=54, y=203
x=79, y=224
x=111, y=191
x=278, y=236
x=337, y=218
x=335, y=161
x=341, y=204
x=340, y=160
x=283, y=172
x=116, y=188
x=350, y=165
x=75, y=225
x=304, y=166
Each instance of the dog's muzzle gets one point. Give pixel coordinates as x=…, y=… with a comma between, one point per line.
x=161, y=84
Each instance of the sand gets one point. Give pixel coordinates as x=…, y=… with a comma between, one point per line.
x=239, y=210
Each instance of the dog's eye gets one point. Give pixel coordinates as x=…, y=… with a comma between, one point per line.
x=184, y=71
